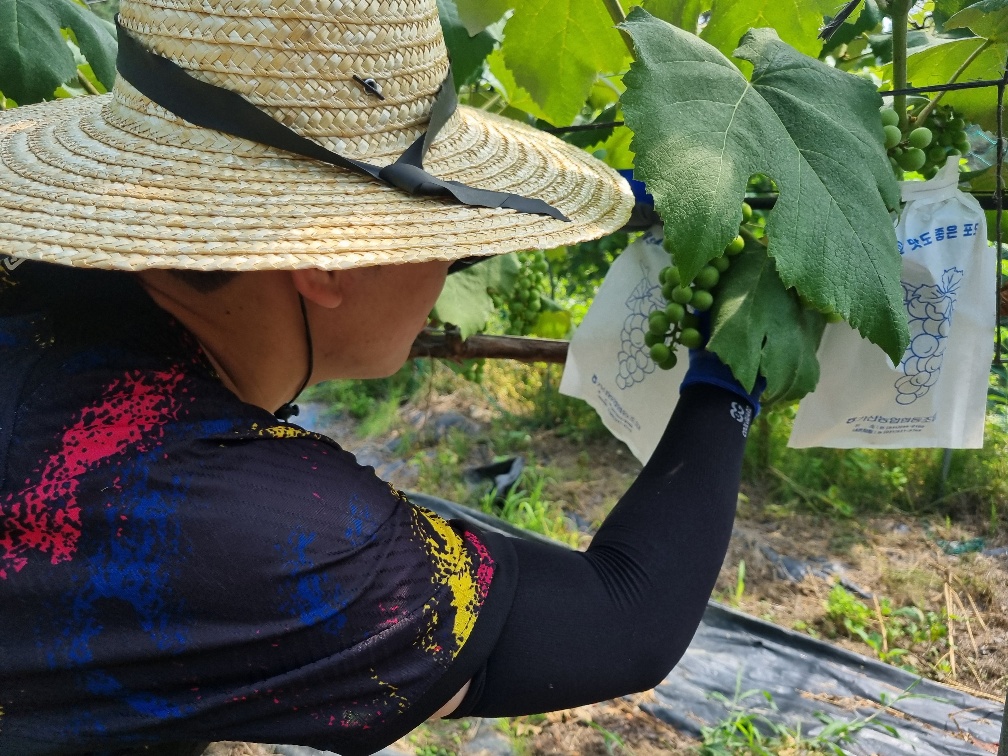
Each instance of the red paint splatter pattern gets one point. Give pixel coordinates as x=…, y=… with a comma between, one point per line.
x=44, y=516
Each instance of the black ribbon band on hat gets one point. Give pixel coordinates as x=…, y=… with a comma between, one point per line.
x=213, y=107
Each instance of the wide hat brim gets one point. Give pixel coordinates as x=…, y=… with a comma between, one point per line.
x=79, y=185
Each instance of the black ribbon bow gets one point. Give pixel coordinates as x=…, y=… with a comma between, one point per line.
x=213, y=107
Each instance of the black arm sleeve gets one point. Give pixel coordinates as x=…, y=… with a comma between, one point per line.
x=615, y=619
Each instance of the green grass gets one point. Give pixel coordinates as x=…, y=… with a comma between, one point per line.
x=844, y=485
x=750, y=728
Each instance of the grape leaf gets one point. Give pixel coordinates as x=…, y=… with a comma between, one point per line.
x=682, y=13
x=501, y=79
x=987, y=19
x=557, y=48
x=936, y=64
x=477, y=15
x=797, y=22
x=464, y=301
x=869, y=19
x=34, y=56
x=811, y=128
x=467, y=52
x=758, y=326
x=944, y=10
x=553, y=322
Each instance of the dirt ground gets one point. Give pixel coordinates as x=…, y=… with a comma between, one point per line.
x=888, y=563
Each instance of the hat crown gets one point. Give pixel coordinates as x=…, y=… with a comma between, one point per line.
x=304, y=62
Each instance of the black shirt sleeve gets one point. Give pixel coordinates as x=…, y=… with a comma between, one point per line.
x=591, y=626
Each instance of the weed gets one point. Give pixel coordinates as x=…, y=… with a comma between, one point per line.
x=611, y=739
x=525, y=507
x=893, y=634
x=843, y=483
x=751, y=731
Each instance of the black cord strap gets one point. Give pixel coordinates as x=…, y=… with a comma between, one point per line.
x=213, y=107
x=289, y=410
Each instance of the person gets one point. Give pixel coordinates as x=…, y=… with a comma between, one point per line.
x=272, y=196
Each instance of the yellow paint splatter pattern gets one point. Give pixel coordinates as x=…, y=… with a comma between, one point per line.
x=453, y=569
x=284, y=431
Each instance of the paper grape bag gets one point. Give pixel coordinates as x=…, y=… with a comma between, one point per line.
x=936, y=395
x=610, y=366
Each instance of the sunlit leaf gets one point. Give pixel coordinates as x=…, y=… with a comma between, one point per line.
x=556, y=49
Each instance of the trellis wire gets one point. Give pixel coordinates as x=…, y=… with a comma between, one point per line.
x=994, y=201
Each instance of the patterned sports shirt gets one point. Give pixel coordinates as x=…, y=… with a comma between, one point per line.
x=178, y=565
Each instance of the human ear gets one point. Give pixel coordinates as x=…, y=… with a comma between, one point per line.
x=321, y=287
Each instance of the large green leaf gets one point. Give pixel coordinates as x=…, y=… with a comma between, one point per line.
x=987, y=19
x=702, y=130
x=556, y=50
x=477, y=15
x=467, y=52
x=464, y=302
x=936, y=64
x=34, y=57
x=945, y=9
x=501, y=78
x=682, y=13
x=759, y=327
x=797, y=22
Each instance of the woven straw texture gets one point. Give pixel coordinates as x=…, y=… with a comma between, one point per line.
x=115, y=181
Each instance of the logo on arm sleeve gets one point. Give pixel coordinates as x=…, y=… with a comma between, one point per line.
x=743, y=414
x=10, y=263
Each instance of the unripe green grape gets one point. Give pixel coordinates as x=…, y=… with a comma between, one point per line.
x=650, y=339
x=669, y=362
x=690, y=338
x=707, y=278
x=889, y=117
x=893, y=136
x=936, y=154
x=929, y=172
x=964, y=147
x=658, y=322
x=667, y=291
x=535, y=305
x=702, y=301
x=721, y=263
x=912, y=159
x=675, y=312
x=660, y=353
x=682, y=294
x=920, y=137
x=746, y=212
x=736, y=246
x=672, y=276
x=690, y=321
x=947, y=139
x=957, y=123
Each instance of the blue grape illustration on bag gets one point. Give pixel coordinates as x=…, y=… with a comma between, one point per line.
x=635, y=361
x=930, y=308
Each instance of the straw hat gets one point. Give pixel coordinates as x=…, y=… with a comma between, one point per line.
x=117, y=181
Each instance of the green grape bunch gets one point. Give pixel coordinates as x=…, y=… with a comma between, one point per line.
x=927, y=143
x=678, y=323
x=521, y=309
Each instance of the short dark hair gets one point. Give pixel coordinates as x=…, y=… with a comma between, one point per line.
x=205, y=281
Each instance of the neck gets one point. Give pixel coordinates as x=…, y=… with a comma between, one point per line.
x=251, y=330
